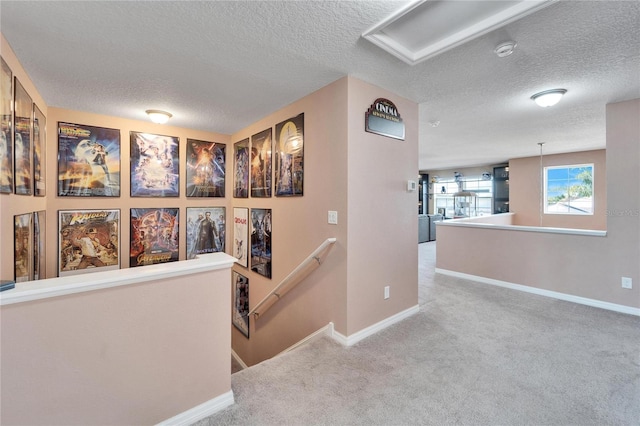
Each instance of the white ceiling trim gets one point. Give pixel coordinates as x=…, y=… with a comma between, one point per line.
x=469, y=27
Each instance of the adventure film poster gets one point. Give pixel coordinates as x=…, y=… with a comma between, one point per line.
x=88, y=241
x=241, y=169
x=240, y=314
x=205, y=230
x=22, y=143
x=261, y=164
x=39, y=151
x=6, y=131
x=205, y=168
x=88, y=161
x=241, y=235
x=39, y=258
x=154, y=236
x=289, y=157
x=23, y=247
x=261, y=241
x=154, y=165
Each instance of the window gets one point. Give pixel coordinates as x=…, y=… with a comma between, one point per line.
x=568, y=189
x=443, y=191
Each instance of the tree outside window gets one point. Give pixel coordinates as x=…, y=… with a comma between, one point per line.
x=568, y=189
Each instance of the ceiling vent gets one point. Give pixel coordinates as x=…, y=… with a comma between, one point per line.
x=426, y=28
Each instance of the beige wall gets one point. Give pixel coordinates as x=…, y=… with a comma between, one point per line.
x=134, y=354
x=383, y=222
x=11, y=204
x=524, y=190
x=578, y=265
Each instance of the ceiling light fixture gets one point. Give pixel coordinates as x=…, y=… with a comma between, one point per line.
x=505, y=49
x=549, y=97
x=158, y=116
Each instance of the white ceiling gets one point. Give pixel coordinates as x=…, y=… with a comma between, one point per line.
x=222, y=65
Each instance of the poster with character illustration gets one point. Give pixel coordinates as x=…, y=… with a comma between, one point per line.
x=205, y=168
x=88, y=241
x=88, y=161
x=154, y=236
x=154, y=165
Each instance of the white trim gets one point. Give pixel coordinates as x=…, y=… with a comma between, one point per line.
x=238, y=359
x=379, y=326
x=468, y=223
x=326, y=330
x=201, y=411
x=541, y=292
x=62, y=286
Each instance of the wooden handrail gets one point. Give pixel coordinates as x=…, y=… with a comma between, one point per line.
x=293, y=278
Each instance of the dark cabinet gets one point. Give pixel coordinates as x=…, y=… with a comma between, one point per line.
x=501, y=189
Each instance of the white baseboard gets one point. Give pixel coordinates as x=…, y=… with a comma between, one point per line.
x=238, y=359
x=379, y=326
x=326, y=330
x=201, y=411
x=541, y=292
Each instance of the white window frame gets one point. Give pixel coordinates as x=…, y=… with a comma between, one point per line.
x=575, y=211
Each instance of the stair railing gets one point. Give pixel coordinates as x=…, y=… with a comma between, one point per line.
x=292, y=279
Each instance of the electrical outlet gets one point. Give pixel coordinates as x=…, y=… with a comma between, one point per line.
x=627, y=282
x=386, y=292
x=333, y=217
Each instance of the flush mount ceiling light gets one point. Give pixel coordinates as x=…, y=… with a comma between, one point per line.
x=505, y=49
x=158, y=116
x=426, y=28
x=549, y=97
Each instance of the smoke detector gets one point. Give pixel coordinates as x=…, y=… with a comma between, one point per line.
x=505, y=49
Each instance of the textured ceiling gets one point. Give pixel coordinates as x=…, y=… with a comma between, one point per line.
x=219, y=66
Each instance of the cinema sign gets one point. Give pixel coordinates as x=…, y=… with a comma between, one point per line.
x=384, y=119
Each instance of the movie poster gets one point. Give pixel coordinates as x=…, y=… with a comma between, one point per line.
x=241, y=169
x=240, y=315
x=89, y=241
x=205, y=168
x=205, y=230
x=154, y=236
x=39, y=151
x=6, y=121
x=261, y=164
x=154, y=165
x=22, y=144
x=23, y=247
x=39, y=223
x=241, y=235
x=289, y=157
x=88, y=161
x=261, y=241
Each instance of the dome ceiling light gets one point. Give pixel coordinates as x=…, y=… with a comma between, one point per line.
x=157, y=116
x=549, y=97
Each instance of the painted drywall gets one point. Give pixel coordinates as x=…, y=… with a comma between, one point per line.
x=382, y=214
x=299, y=227
x=11, y=204
x=132, y=354
x=524, y=190
x=584, y=266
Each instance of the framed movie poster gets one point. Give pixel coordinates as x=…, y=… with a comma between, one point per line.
x=88, y=241
x=240, y=314
x=289, y=157
x=205, y=230
x=205, y=168
x=39, y=258
x=23, y=247
x=154, y=165
x=88, y=161
x=154, y=236
x=261, y=241
x=6, y=121
x=39, y=152
x=241, y=169
x=241, y=235
x=261, y=164
x=22, y=143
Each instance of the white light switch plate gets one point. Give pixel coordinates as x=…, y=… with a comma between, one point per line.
x=333, y=217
